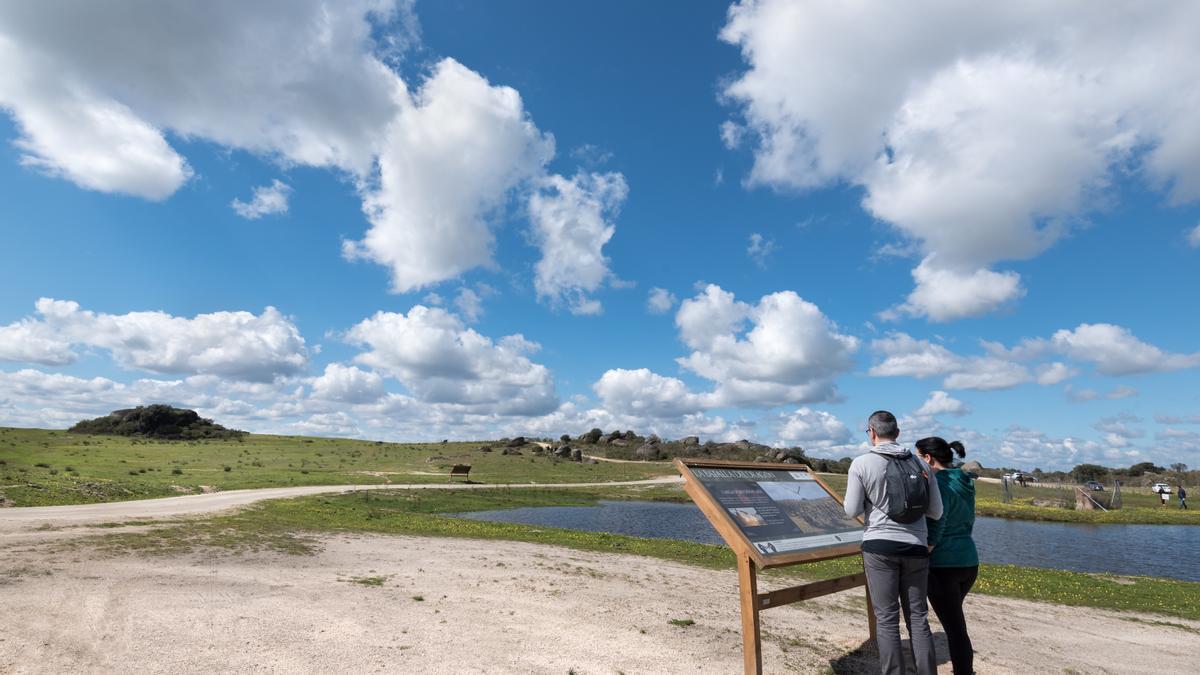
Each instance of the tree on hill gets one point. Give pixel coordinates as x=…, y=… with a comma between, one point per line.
x=155, y=421
x=1082, y=473
x=1145, y=467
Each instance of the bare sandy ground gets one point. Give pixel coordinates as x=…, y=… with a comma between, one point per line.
x=463, y=606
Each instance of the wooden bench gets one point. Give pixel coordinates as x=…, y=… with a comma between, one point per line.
x=460, y=471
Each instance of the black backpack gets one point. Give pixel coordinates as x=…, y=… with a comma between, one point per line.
x=906, y=484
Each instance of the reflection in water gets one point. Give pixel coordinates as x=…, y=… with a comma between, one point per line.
x=1153, y=550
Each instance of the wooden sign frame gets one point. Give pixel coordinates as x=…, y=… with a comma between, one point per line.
x=750, y=559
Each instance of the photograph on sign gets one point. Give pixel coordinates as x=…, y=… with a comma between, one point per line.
x=780, y=511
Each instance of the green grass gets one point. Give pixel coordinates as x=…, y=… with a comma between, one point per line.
x=1140, y=505
x=1023, y=509
x=290, y=526
x=40, y=467
x=366, y=581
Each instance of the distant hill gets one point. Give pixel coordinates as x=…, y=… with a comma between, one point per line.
x=155, y=421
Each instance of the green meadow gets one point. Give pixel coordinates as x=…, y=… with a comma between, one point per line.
x=40, y=467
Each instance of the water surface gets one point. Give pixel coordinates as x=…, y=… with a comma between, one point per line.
x=1152, y=550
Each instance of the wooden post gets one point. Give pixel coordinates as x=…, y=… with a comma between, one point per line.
x=751, y=645
x=751, y=559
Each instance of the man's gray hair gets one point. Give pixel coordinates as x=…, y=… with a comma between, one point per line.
x=883, y=423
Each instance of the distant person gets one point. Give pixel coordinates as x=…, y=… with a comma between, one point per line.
x=1182, y=497
x=953, y=560
x=896, y=491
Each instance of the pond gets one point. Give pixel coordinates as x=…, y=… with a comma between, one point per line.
x=1152, y=550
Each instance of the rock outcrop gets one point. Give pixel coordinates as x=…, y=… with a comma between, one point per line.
x=155, y=421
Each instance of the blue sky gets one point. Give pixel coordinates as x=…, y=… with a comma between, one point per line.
x=465, y=210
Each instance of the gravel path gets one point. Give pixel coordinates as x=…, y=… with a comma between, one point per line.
x=29, y=517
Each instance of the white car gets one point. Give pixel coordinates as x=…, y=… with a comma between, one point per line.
x=1161, y=488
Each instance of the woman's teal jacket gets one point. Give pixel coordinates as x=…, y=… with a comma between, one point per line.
x=950, y=535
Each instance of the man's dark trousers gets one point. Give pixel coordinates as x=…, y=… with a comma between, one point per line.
x=887, y=577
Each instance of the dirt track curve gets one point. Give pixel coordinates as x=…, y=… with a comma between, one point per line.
x=24, y=518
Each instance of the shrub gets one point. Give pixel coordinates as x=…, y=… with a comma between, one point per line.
x=177, y=471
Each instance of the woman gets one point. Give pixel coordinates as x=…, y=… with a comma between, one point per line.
x=953, y=560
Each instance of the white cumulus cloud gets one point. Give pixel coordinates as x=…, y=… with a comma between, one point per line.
x=440, y=360
x=95, y=88
x=813, y=429
x=267, y=200
x=99, y=93
x=660, y=301
x=982, y=135
x=1113, y=350
x=429, y=212
x=570, y=224
x=949, y=294
x=348, y=384
x=238, y=345
x=904, y=355
x=760, y=249
x=941, y=403
x=781, y=350
x=644, y=393
x=1053, y=373
x=1116, y=351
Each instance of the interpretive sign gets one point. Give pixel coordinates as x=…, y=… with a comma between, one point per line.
x=781, y=511
x=773, y=515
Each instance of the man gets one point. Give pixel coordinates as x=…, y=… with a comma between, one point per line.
x=1182, y=497
x=895, y=553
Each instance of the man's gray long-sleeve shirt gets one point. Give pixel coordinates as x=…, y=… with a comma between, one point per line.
x=867, y=493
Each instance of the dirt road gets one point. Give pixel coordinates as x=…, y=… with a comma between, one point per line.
x=409, y=604
x=25, y=518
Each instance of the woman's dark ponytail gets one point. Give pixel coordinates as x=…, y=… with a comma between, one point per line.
x=940, y=450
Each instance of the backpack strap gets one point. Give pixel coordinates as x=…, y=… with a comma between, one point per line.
x=907, y=454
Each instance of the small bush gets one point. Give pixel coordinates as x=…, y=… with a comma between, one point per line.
x=228, y=469
x=42, y=465
x=177, y=471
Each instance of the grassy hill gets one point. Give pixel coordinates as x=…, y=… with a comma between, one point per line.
x=44, y=467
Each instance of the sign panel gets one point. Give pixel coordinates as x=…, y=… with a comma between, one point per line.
x=779, y=512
